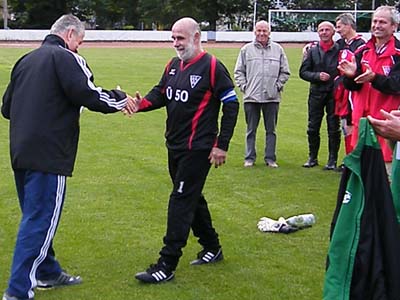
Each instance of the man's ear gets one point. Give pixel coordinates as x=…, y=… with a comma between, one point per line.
x=197, y=36
x=70, y=33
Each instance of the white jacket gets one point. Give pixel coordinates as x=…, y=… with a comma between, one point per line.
x=261, y=72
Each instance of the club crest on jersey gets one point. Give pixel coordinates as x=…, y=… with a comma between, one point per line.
x=194, y=79
x=386, y=70
x=172, y=72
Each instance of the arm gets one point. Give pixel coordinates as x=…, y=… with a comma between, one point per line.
x=240, y=71
x=77, y=83
x=284, y=71
x=6, y=106
x=306, y=71
x=389, y=84
x=224, y=91
x=156, y=97
x=230, y=111
x=153, y=100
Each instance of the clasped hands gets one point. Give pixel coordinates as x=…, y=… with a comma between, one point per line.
x=132, y=104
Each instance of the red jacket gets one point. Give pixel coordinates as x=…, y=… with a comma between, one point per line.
x=383, y=92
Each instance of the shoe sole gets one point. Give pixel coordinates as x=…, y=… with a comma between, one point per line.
x=51, y=287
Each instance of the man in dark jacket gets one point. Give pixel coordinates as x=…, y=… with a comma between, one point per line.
x=319, y=68
x=48, y=87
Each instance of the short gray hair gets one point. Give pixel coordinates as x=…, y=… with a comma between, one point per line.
x=67, y=22
x=347, y=19
x=394, y=14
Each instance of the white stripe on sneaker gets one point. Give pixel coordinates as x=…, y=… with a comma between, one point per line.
x=208, y=256
x=159, y=275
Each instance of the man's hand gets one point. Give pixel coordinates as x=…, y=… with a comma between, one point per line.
x=323, y=76
x=389, y=128
x=217, y=157
x=367, y=76
x=348, y=68
x=132, y=105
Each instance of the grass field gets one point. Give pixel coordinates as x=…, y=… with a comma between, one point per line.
x=115, y=211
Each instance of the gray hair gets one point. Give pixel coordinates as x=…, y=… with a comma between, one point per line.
x=347, y=19
x=394, y=14
x=67, y=22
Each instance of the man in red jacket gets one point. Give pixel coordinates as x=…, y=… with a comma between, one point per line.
x=375, y=73
x=350, y=43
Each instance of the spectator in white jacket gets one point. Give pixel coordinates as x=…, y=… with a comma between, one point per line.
x=261, y=71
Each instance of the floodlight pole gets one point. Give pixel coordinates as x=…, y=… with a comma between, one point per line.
x=255, y=14
x=5, y=14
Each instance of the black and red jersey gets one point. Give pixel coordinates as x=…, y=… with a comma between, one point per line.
x=342, y=96
x=192, y=93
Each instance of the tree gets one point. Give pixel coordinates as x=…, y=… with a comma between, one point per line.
x=37, y=14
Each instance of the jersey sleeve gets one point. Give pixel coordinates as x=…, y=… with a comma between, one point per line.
x=156, y=97
x=77, y=82
x=389, y=84
x=224, y=91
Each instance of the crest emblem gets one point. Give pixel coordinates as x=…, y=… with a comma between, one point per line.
x=194, y=79
x=386, y=70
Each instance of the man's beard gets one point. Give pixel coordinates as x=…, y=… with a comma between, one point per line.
x=188, y=53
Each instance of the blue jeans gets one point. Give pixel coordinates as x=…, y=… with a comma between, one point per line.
x=270, y=116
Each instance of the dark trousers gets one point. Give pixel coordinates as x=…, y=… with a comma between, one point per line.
x=270, y=116
x=319, y=104
x=187, y=208
x=41, y=198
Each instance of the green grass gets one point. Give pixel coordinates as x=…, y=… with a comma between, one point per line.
x=115, y=211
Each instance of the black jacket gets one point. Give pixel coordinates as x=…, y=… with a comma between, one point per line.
x=42, y=101
x=317, y=61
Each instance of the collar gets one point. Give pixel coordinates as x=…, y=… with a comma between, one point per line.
x=184, y=65
x=53, y=39
x=259, y=45
x=326, y=46
x=387, y=49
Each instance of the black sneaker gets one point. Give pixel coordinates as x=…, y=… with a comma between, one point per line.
x=310, y=163
x=156, y=273
x=63, y=280
x=207, y=257
x=8, y=297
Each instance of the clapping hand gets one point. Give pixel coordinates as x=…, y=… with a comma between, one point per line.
x=388, y=128
x=348, y=68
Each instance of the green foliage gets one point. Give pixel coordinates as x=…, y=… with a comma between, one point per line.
x=115, y=211
x=161, y=14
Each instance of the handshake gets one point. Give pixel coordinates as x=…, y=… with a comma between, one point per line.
x=132, y=104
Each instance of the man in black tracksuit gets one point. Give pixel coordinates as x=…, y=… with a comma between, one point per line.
x=319, y=67
x=48, y=87
x=192, y=88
